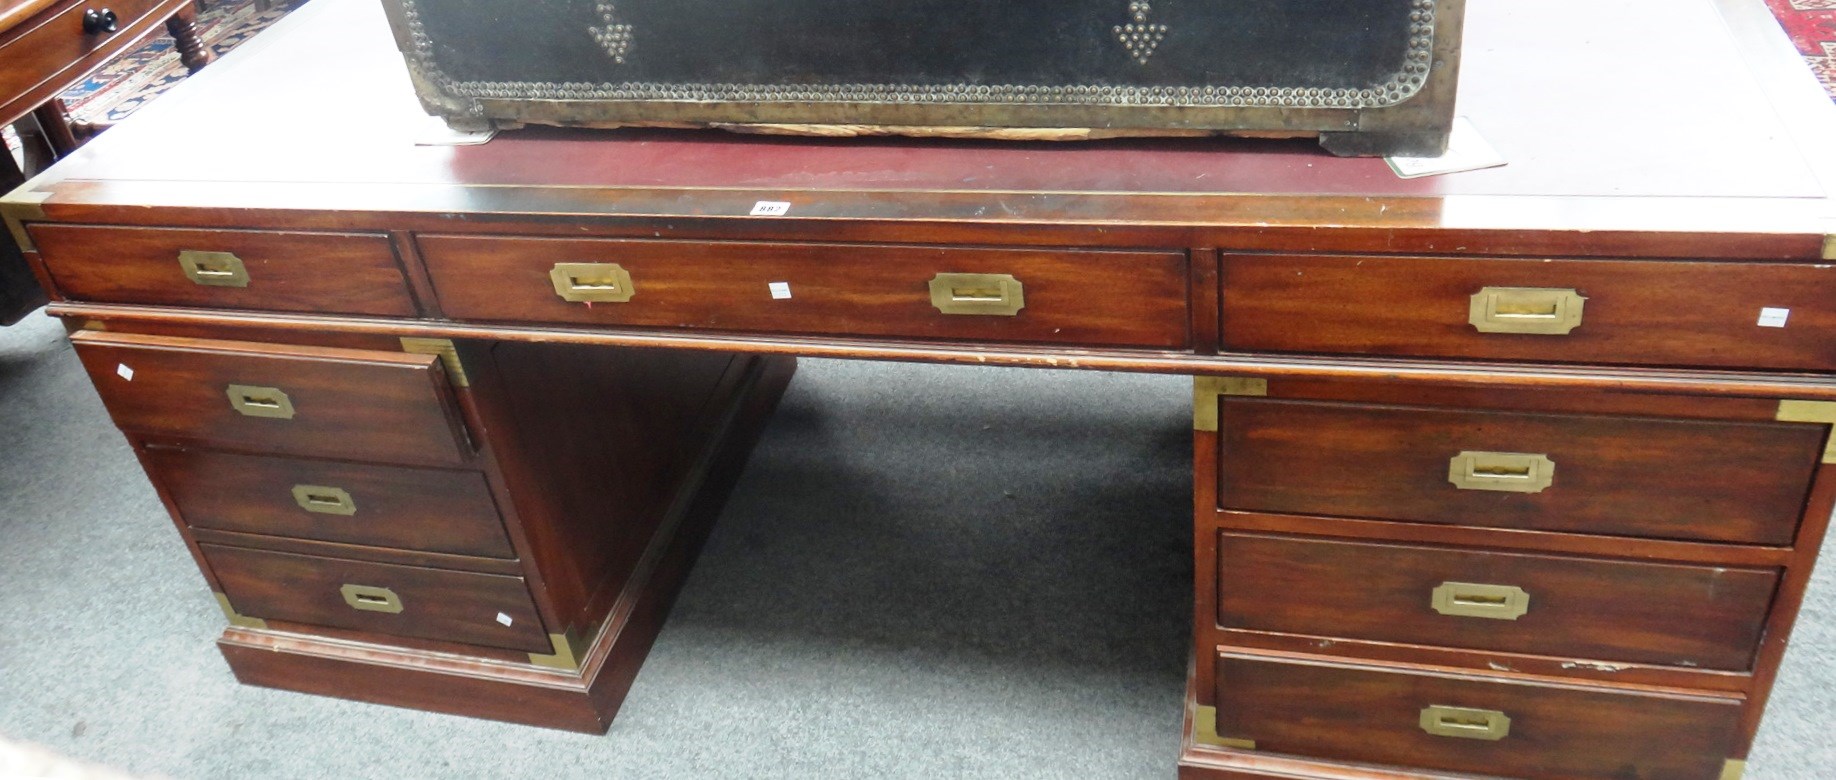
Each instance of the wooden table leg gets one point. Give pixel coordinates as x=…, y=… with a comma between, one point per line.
x=184, y=29
x=54, y=122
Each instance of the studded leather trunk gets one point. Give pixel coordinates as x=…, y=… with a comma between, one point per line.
x=1366, y=76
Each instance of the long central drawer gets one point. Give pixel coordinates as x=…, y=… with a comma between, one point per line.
x=1058, y=296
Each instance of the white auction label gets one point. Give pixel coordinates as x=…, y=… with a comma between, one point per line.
x=504, y=619
x=125, y=372
x=770, y=208
x=1773, y=318
x=779, y=290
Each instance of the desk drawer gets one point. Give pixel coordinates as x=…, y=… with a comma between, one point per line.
x=476, y=609
x=37, y=53
x=1635, y=476
x=430, y=510
x=342, y=403
x=1634, y=312
x=1382, y=716
x=341, y=273
x=1099, y=298
x=1695, y=616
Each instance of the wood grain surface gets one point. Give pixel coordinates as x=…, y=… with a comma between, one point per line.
x=1636, y=312
x=466, y=607
x=431, y=510
x=340, y=273
x=1071, y=296
x=383, y=406
x=1372, y=715
x=1583, y=608
x=1634, y=476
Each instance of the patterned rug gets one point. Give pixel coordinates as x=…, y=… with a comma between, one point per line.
x=1812, y=26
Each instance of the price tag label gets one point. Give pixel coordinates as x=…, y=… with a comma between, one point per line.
x=124, y=372
x=779, y=290
x=770, y=208
x=1773, y=318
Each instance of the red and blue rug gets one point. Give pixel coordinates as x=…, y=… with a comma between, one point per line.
x=1812, y=26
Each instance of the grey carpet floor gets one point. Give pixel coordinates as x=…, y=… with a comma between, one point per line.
x=925, y=572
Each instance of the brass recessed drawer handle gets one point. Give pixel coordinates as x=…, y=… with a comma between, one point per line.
x=1505, y=472
x=991, y=294
x=1465, y=723
x=261, y=401
x=214, y=269
x=1473, y=599
x=1550, y=312
x=592, y=282
x=323, y=500
x=372, y=599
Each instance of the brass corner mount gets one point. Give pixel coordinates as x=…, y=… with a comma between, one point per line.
x=1205, y=392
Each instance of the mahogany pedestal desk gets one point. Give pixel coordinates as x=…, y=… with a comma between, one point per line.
x=1517, y=472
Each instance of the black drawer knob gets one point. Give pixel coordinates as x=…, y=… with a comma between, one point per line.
x=102, y=21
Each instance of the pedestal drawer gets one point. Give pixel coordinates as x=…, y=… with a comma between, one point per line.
x=342, y=273
x=1582, y=608
x=478, y=609
x=343, y=403
x=430, y=510
x=1471, y=723
x=1737, y=315
x=1060, y=296
x=1710, y=480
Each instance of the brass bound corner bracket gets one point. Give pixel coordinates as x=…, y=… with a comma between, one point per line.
x=18, y=207
x=445, y=350
x=235, y=619
x=1207, y=389
x=1205, y=731
x=1812, y=412
x=566, y=656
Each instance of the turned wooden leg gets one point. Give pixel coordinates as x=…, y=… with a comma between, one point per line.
x=54, y=122
x=184, y=28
